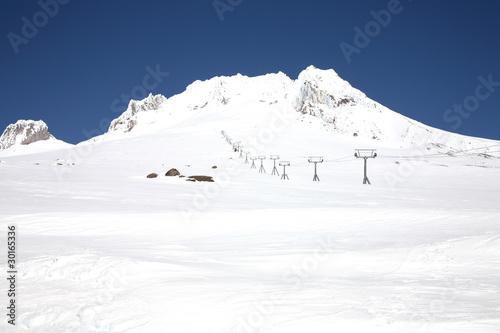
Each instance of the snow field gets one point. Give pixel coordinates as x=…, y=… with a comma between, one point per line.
x=104, y=249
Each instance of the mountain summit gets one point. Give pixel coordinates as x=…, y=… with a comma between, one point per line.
x=24, y=132
x=318, y=96
x=319, y=100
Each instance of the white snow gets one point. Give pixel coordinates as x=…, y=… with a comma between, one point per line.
x=104, y=249
x=17, y=137
x=36, y=147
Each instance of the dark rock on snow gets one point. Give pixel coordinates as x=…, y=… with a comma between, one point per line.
x=172, y=172
x=201, y=178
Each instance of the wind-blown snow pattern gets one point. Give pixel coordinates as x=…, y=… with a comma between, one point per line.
x=103, y=248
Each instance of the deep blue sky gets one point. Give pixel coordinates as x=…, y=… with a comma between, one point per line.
x=426, y=59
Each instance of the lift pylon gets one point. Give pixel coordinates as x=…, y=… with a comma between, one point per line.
x=315, y=160
x=365, y=154
x=262, y=158
x=253, y=162
x=274, y=158
x=284, y=164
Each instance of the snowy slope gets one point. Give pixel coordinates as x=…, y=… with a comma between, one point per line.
x=216, y=94
x=347, y=110
x=319, y=93
x=104, y=249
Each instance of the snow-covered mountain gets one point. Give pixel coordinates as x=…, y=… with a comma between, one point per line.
x=318, y=98
x=128, y=119
x=346, y=110
x=106, y=248
x=211, y=96
x=27, y=137
x=24, y=132
x=317, y=93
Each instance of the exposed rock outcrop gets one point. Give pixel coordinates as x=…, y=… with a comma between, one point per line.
x=128, y=120
x=172, y=172
x=24, y=132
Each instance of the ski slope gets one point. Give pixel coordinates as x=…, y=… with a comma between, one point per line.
x=102, y=248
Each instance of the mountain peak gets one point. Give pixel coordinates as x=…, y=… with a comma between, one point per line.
x=24, y=132
x=127, y=121
x=324, y=94
x=317, y=93
x=315, y=71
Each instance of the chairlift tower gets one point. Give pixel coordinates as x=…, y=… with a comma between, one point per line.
x=315, y=160
x=284, y=164
x=274, y=158
x=246, y=157
x=238, y=145
x=253, y=162
x=262, y=158
x=365, y=154
x=241, y=151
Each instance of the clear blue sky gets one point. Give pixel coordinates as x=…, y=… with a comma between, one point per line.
x=425, y=60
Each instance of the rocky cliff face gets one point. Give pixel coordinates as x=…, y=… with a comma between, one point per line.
x=324, y=87
x=347, y=110
x=24, y=132
x=325, y=95
x=127, y=121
